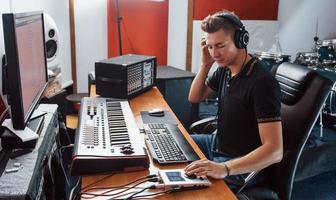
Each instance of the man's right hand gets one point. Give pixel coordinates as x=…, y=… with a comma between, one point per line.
x=199, y=90
x=208, y=168
x=207, y=60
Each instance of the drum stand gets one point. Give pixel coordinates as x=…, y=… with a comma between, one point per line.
x=321, y=124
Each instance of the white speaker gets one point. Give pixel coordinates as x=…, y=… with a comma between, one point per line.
x=52, y=42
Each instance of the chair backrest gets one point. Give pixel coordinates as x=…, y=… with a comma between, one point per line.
x=304, y=92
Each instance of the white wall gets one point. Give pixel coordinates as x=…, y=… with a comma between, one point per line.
x=261, y=33
x=59, y=11
x=295, y=28
x=4, y=7
x=177, y=33
x=91, y=37
x=297, y=21
x=90, y=27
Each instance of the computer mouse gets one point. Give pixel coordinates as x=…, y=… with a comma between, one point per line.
x=190, y=176
x=157, y=112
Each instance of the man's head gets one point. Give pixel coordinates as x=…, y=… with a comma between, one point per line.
x=230, y=23
x=221, y=37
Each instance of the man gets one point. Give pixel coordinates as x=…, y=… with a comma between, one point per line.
x=249, y=134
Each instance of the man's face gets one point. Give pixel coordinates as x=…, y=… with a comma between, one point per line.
x=221, y=47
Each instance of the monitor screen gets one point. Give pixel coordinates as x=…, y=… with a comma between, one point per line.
x=26, y=70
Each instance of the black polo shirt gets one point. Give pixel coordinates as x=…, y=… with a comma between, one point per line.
x=250, y=97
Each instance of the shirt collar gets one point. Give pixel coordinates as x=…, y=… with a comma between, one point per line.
x=248, y=67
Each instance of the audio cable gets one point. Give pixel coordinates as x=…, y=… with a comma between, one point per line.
x=125, y=187
x=149, y=177
x=61, y=151
x=76, y=196
x=171, y=190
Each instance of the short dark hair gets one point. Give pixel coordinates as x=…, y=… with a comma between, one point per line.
x=212, y=23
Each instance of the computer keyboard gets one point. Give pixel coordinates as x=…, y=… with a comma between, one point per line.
x=167, y=144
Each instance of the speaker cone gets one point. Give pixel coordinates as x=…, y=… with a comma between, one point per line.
x=51, y=46
x=52, y=40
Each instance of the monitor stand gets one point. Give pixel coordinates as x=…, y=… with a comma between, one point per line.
x=31, y=131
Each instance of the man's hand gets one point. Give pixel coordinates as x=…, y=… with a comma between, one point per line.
x=206, y=167
x=207, y=60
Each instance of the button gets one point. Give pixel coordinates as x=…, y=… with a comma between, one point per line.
x=127, y=151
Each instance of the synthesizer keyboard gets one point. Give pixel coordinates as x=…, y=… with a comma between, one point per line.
x=107, y=138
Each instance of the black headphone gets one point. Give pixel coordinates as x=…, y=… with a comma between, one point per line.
x=241, y=36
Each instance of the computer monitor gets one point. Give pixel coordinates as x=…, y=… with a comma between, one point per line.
x=26, y=68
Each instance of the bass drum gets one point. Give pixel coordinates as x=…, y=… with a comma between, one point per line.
x=329, y=109
x=327, y=53
x=270, y=60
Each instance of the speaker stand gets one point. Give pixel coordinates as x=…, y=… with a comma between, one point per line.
x=119, y=18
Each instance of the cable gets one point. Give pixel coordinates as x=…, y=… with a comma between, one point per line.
x=132, y=193
x=151, y=178
x=154, y=194
x=138, y=192
x=48, y=112
x=176, y=189
x=243, y=65
x=61, y=162
x=98, y=181
x=72, y=190
x=104, y=194
x=64, y=147
x=92, y=194
x=91, y=184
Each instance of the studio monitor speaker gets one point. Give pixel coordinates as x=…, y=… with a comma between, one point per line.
x=52, y=42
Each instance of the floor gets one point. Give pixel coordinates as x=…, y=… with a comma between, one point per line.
x=321, y=187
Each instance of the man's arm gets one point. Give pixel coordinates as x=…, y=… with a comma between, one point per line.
x=199, y=90
x=270, y=152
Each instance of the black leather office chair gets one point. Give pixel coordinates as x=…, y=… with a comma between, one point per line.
x=303, y=94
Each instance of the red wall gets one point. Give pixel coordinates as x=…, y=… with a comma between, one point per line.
x=144, y=24
x=144, y=28
x=245, y=9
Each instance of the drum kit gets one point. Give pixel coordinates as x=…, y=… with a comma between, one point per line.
x=322, y=59
x=271, y=59
x=323, y=56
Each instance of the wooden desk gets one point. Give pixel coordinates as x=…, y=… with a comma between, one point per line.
x=147, y=101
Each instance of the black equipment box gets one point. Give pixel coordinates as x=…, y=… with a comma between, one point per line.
x=125, y=76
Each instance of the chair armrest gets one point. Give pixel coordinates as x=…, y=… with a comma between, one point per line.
x=255, y=192
x=260, y=193
x=204, y=126
x=247, y=180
